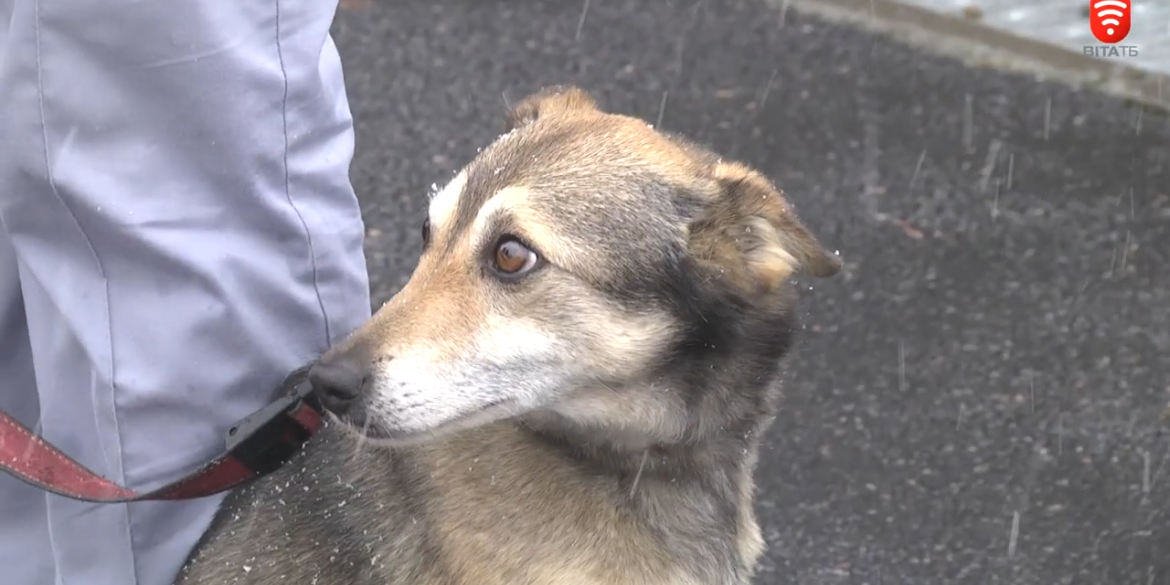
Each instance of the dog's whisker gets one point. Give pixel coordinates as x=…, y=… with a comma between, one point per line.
x=512, y=410
x=362, y=437
x=608, y=387
x=638, y=476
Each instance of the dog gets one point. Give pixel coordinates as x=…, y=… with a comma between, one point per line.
x=571, y=389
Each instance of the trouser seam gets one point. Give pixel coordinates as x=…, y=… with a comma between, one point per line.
x=101, y=273
x=287, y=180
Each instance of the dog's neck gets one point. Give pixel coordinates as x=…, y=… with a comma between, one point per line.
x=655, y=435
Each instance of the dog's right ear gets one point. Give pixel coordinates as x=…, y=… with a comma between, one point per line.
x=560, y=99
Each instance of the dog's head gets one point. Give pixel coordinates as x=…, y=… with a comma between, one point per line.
x=572, y=268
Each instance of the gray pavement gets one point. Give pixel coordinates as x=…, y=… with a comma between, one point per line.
x=979, y=397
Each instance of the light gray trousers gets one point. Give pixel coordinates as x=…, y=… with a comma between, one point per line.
x=177, y=232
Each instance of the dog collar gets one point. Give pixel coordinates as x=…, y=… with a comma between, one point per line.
x=257, y=445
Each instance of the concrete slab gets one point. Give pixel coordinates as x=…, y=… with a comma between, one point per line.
x=1065, y=24
x=1050, y=38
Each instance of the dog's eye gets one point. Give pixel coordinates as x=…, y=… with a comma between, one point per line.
x=426, y=231
x=513, y=258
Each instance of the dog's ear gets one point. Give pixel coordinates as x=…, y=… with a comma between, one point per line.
x=750, y=230
x=554, y=100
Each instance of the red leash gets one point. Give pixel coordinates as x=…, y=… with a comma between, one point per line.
x=255, y=446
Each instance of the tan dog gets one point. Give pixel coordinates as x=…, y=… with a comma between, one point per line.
x=571, y=389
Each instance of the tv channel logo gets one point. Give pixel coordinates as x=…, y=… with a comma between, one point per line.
x=1110, y=20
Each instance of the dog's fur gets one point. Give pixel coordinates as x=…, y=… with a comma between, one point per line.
x=595, y=421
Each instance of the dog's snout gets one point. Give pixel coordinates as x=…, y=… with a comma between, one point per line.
x=338, y=383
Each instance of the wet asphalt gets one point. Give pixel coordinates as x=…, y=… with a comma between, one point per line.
x=979, y=397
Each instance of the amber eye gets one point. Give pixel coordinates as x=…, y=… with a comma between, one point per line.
x=513, y=258
x=426, y=231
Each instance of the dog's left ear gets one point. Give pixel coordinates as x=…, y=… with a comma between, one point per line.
x=750, y=227
x=556, y=100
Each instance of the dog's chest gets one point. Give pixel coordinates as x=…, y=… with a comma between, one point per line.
x=509, y=513
x=487, y=510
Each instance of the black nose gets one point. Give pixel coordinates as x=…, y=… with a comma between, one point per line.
x=337, y=383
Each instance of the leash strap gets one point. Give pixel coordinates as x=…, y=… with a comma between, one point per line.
x=255, y=446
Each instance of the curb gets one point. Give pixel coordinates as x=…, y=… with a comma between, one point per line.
x=978, y=44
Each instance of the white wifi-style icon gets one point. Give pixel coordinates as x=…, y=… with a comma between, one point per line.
x=1108, y=14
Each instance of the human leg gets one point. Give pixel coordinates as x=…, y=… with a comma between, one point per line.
x=174, y=182
x=24, y=531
